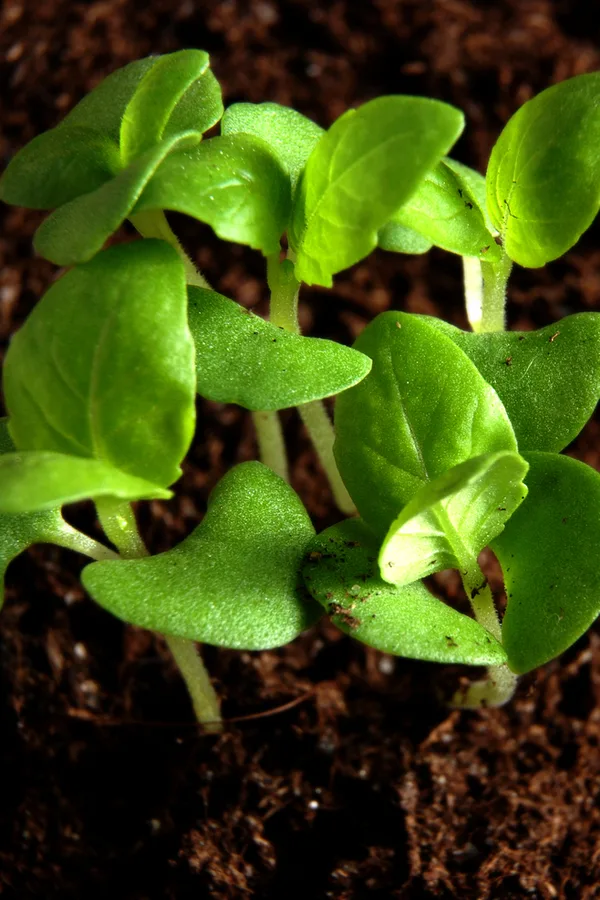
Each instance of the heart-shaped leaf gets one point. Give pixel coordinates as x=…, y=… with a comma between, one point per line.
x=341, y=573
x=423, y=409
x=290, y=135
x=161, y=108
x=548, y=380
x=234, y=582
x=104, y=366
x=361, y=171
x=233, y=183
x=76, y=231
x=242, y=359
x=549, y=555
x=451, y=519
x=399, y=239
x=543, y=178
x=446, y=211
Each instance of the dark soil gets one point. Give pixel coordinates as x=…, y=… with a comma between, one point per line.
x=367, y=786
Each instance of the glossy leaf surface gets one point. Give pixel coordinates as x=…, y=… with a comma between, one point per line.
x=359, y=174
x=241, y=358
x=451, y=519
x=543, y=178
x=234, y=582
x=548, y=380
x=233, y=183
x=423, y=409
x=104, y=365
x=290, y=135
x=549, y=555
x=341, y=573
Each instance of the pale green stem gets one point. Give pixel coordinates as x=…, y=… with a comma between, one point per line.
x=153, y=224
x=118, y=522
x=271, y=446
x=495, y=278
x=473, y=283
x=72, y=539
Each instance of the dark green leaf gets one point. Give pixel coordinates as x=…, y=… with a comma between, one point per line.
x=341, y=573
x=234, y=183
x=450, y=520
x=359, y=174
x=549, y=555
x=75, y=232
x=290, y=135
x=233, y=582
x=445, y=210
x=399, y=239
x=242, y=359
x=543, y=178
x=548, y=380
x=423, y=409
x=104, y=365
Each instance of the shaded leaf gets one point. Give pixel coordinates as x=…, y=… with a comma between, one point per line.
x=399, y=239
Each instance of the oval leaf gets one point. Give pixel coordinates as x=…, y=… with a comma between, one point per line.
x=104, y=365
x=549, y=555
x=235, y=184
x=242, y=359
x=341, y=574
x=399, y=239
x=234, y=582
x=290, y=135
x=543, y=178
x=451, y=519
x=548, y=380
x=359, y=174
x=423, y=409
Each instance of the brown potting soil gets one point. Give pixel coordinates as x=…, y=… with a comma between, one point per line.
x=357, y=781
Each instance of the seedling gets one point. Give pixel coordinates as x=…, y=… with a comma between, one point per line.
x=446, y=441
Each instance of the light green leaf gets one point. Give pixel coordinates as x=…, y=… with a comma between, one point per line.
x=35, y=481
x=242, y=359
x=234, y=582
x=548, y=380
x=399, y=239
x=104, y=366
x=234, y=183
x=359, y=174
x=451, y=519
x=543, y=178
x=423, y=409
x=549, y=555
x=341, y=573
x=75, y=232
x=290, y=135
x=446, y=211
x=156, y=99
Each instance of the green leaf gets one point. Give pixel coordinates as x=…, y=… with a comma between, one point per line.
x=104, y=366
x=234, y=582
x=549, y=555
x=445, y=210
x=242, y=359
x=34, y=481
x=75, y=232
x=234, y=183
x=543, y=178
x=423, y=409
x=548, y=380
x=290, y=135
x=399, y=239
x=161, y=95
x=341, y=573
x=359, y=174
x=451, y=519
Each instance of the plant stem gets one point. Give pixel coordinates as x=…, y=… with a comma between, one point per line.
x=495, y=278
x=473, y=282
x=153, y=224
x=118, y=522
x=271, y=446
x=75, y=540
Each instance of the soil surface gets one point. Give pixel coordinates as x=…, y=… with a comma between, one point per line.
x=352, y=779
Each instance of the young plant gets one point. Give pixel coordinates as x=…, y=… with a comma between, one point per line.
x=437, y=446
